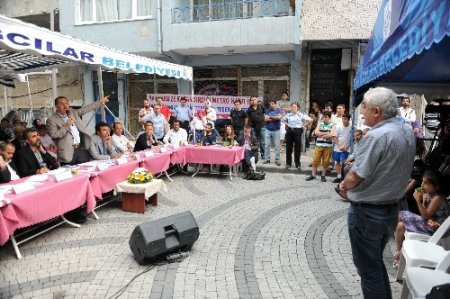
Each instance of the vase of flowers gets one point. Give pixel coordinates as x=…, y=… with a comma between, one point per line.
x=140, y=176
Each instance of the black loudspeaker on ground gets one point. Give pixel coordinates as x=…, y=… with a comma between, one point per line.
x=152, y=240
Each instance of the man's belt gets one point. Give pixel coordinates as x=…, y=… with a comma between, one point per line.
x=374, y=206
x=76, y=145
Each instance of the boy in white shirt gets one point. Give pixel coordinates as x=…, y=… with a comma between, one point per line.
x=341, y=140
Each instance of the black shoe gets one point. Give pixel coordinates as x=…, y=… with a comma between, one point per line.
x=79, y=219
x=336, y=180
x=310, y=178
x=277, y=163
x=288, y=166
x=78, y=215
x=266, y=162
x=299, y=169
x=323, y=179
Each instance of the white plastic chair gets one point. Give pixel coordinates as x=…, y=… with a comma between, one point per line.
x=416, y=236
x=419, y=281
x=417, y=253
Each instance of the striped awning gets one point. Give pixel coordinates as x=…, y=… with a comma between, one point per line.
x=26, y=48
x=12, y=62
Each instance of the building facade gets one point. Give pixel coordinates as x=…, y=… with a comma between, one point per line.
x=334, y=34
x=236, y=47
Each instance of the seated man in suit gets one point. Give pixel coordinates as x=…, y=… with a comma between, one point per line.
x=101, y=145
x=147, y=140
x=34, y=158
x=251, y=145
x=8, y=169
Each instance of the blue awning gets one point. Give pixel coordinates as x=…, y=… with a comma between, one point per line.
x=410, y=43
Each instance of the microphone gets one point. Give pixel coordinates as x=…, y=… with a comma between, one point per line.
x=68, y=113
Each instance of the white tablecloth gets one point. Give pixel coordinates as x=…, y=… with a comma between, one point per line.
x=148, y=189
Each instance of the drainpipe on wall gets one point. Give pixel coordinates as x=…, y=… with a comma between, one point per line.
x=158, y=16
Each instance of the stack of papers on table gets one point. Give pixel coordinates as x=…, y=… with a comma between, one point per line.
x=4, y=189
x=38, y=178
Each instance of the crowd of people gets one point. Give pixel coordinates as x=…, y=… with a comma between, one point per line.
x=378, y=160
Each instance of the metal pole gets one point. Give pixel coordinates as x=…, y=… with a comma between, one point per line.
x=54, y=78
x=5, y=96
x=101, y=93
x=192, y=99
x=116, y=119
x=31, y=101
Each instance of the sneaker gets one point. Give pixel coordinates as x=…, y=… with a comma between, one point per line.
x=266, y=162
x=299, y=169
x=277, y=163
x=336, y=180
x=310, y=178
x=323, y=179
x=287, y=166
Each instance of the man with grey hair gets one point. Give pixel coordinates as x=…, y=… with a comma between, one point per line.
x=374, y=185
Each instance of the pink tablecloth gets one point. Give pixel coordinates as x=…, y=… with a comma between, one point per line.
x=179, y=156
x=105, y=180
x=157, y=163
x=208, y=155
x=47, y=201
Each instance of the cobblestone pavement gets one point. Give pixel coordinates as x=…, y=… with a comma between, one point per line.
x=281, y=237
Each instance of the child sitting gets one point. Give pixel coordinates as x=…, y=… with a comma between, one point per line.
x=433, y=208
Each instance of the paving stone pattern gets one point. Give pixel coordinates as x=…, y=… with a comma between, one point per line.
x=278, y=238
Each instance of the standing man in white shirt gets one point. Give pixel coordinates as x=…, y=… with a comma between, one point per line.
x=183, y=113
x=146, y=110
x=211, y=115
x=177, y=135
x=408, y=114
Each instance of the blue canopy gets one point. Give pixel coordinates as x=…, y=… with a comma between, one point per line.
x=410, y=43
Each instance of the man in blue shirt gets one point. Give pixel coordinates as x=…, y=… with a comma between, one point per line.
x=272, y=117
x=183, y=114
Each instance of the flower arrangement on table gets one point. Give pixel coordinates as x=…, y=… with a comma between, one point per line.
x=140, y=176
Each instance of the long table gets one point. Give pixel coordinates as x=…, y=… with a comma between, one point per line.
x=158, y=163
x=50, y=199
x=219, y=155
x=47, y=201
x=103, y=181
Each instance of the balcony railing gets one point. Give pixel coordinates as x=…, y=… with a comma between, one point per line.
x=231, y=11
